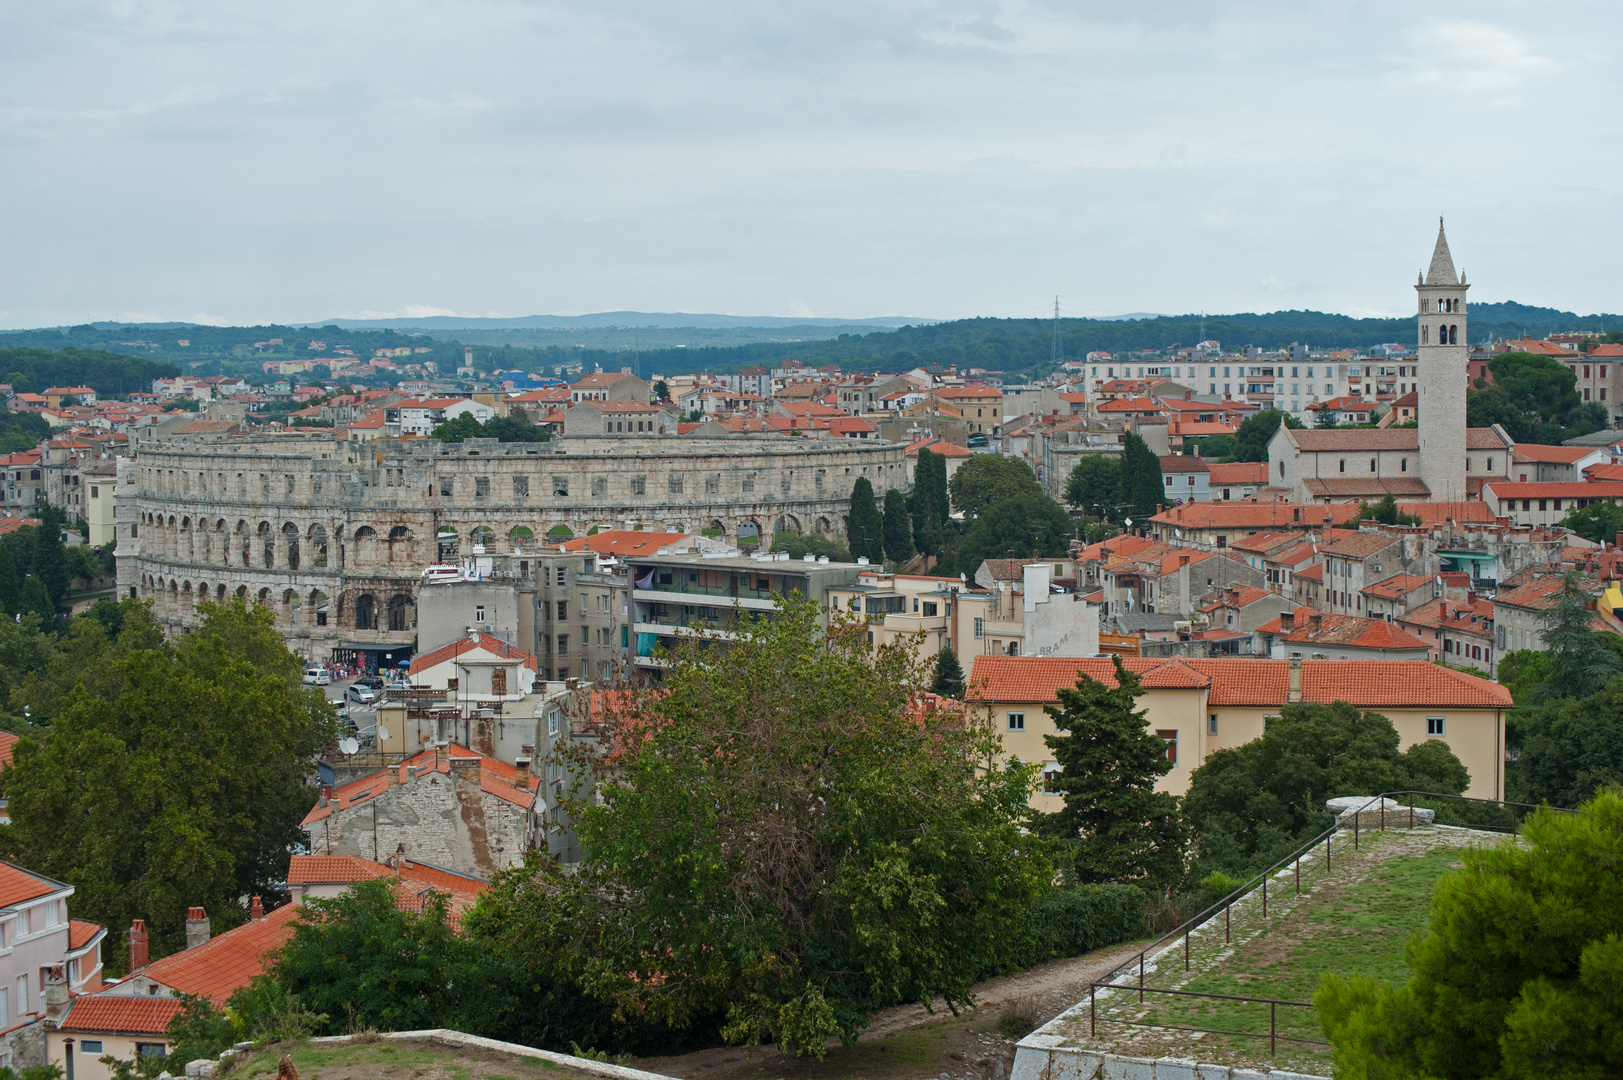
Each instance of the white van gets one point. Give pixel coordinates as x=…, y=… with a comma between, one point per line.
x=316, y=676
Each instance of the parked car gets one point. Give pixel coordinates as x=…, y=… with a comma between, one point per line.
x=373, y=681
x=316, y=676
x=361, y=695
x=979, y=439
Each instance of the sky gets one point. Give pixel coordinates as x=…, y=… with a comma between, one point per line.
x=238, y=162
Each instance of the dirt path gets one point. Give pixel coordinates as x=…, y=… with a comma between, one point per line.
x=908, y=1042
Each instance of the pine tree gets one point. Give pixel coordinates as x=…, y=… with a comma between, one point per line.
x=50, y=563
x=897, y=528
x=928, y=502
x=1122, y=828
x=864, y=530
x=10, y=590
x=949, y=674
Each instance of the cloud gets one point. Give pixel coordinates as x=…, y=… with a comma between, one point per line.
x=1465, y=57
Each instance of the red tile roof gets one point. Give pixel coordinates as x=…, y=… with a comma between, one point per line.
x=622, y=542
x=1603, y=472
x=1604, y=489
x=108, y=1013
x=225, y=963
x=1238, y=598
x=18, y=885
x=1396, y=588
x=496, y=777
x=1131, y=405
x=1353, y=631
x=81, y=933
x=1558, y=455
x=948, y=392
x=7, y=741
x=1239, y=472
x=621, y=406
x=333, y=869
x=1368, y=684
x=482, y=641
x=1243, y=515
x=1183, y=463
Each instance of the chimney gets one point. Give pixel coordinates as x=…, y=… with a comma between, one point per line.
x=56, y=991
x=1315, y=621
x=326, y=794
x=197, y=927
x=466, y=768
x=138, y=945
x=256, y=909
x=522, y=780
x=1287, y=620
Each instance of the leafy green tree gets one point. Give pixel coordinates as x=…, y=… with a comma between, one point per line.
x=36, y=601
x=987, y=479
x=1213, y=447
x=1600, y=521
x=1093, y=484
x=515, y=428
x=1578, y=661
x=1518, y=974
x=1539, y=387
x=1120, y=828
x=929, y=501
x=1140, y=487
x=853, y=850
x=463, y=426
x=1586, y=419
x=1385, y=512
x=1251, y=440
x=10, y=589
x=1571, y=748
x=897, y=527
x=173, y=775
x=948, y=678
x=865, y=528
x=1025, y=525
x=1251, y=804
x=662, y=392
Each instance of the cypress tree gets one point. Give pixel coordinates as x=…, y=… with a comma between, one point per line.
x=10, y=590
x=35, y=599
x=897, y=528
x=50, y=563
x=1140, y=485
x=949, y=674
x=864, y=530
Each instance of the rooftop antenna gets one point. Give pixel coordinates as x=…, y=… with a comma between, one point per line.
x=1057, y=353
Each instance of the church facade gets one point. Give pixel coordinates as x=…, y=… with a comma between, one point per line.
x=1440, y=460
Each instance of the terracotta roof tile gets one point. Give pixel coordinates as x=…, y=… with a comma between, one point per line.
x=333, y=869
x=82, y=933
x=1368, y=684
x=109, y=1013
x=1604, y=489
x=1239, y=472
x=622, y=542
x=1354, y=631
x=1559, y=455
x=18, y=885
x=220, y=966
x=493, y=645
x=1396, y=588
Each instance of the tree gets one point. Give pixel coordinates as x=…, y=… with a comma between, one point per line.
x=50, y=563
x=1540, y=387
x=948, y=680
x=1248, y=805
x=174, y=775
x=865, y=530
x=1578, y=662
x=1140, y=487
x=897, y=527
x=662, y=392
x=928, y=503
x=1030, y=526
x=1093, y=483
x=1571, y=748
x=790, y=838
x=1385, y=512
x=1517, y=976
x=1213, y=447
x=1600, y=521
x=1251, y=440
x=10, y=590
x=1121, y=828
x=987, y=479
x=797, y=546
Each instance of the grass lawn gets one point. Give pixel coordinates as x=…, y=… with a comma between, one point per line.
x=1357, y=917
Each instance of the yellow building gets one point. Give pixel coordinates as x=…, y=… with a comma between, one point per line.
x=1200, y=706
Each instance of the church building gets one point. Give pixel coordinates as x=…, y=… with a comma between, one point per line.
x=1441, y=460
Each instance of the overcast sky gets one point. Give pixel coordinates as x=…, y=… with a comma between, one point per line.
x=292, y=160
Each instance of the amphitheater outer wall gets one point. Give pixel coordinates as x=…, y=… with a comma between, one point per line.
x=335, y=535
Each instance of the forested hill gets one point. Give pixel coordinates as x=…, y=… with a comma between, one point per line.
x=31, y=370
x=1014, y=346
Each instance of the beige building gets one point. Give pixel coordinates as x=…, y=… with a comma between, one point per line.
x=1200, y=706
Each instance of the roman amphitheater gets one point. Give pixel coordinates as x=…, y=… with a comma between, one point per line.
x=335, y=535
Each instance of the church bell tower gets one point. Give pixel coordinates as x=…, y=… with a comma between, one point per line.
x=1441, y=370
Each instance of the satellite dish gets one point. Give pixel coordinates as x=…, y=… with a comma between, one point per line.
x=383, y=733
x=348, y=745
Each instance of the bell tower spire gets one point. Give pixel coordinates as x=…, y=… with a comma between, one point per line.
x=1442, y=363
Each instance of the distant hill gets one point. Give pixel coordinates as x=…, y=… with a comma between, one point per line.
x=604, y=319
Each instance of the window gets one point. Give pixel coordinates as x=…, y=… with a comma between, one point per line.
x=639, y=485
x=674, y=484
x=929, y=607
x=1211, y=724
x=90, y=1046
x=22, y=994
x=1403, y=465
x=560, y=487
x=749, y=483
x=1170, y=738
x=521, y=487
x=712, y=484
x=600, y=486
x=1371, y=464
x=479, y=613
x=1343, y=464
x=563, y=644
x=563, y=605
x=980, y=627
x=447, y=484
x=150, y=1050
x=1051, y=777
x=783, y=483
x=481, y=487
x=1434, y=726
x=1017, y=721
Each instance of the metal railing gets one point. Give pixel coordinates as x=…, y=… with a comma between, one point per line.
x=1259, y=883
